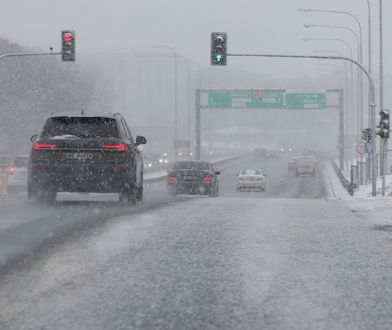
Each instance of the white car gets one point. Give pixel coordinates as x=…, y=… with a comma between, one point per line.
x=251, y=179
x=17, y=174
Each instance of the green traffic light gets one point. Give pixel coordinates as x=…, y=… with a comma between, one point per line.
x=218, y=57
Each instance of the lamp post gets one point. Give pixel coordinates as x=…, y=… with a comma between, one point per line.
x=360, y=97
x=351, y=56
x=360, y=52
x=383, y=142
x=369, y=38
x=175, y=96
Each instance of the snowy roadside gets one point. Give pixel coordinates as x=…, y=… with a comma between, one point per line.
x=375, y=209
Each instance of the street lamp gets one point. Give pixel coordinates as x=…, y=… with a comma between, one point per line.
x=307, y=10
x=351, y=56
x=384, y=141
x=337, y=27
x=369, y=37
x=175, y=96
x=360, y=122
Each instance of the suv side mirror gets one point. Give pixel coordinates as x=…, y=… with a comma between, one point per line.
x=34, y=137
x=140, y=140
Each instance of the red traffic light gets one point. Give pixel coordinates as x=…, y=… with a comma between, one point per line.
x=68, y=45
x=68, y=37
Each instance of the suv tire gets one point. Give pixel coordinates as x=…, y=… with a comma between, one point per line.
x=50, y=196
x=128, y=195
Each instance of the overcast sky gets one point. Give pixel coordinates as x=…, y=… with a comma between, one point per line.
x=252, y=26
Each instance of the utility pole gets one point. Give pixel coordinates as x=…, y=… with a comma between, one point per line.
x=383, y=141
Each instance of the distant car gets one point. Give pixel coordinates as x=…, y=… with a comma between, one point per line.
x=86, y=153
x=292, y=164
x=17, y=174
x=306, y=165
x=251, y=179
x=193, y=177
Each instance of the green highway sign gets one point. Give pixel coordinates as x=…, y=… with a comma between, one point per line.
x=246, y=100
x=303, y=99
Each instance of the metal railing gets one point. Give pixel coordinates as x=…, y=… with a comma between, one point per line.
x=349, y=186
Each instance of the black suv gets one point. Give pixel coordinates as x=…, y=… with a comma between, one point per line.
x=85, y=153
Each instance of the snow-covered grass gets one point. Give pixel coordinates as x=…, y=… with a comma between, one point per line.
x=333, y=185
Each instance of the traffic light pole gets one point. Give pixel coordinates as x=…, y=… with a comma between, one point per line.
x=372, y=100
x=27, y=54
x=198, y=126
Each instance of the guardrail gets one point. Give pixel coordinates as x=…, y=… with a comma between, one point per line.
x=162, y=178
x=345, y=183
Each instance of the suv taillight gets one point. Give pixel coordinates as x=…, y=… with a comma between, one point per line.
x=118, y=147
x=40, y=146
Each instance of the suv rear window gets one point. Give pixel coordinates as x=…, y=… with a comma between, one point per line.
x=83, y=127
x=191, y=166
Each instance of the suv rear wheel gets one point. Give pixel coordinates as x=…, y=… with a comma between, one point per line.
x=128, y=195
x=47, y=195
x=139, y=191
x=139, y=194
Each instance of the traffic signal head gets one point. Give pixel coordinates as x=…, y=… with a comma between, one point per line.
x=218, y=48
x=384, y=124
x=68, y=46
x=367, y=135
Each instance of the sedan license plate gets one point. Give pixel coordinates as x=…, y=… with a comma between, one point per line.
x=190, y=177
x=79, y=156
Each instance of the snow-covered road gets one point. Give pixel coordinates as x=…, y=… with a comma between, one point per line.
x=294, y=260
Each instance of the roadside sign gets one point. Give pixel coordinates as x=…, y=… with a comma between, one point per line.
x=257, y=99
x=306, y=99
x=362, y=148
